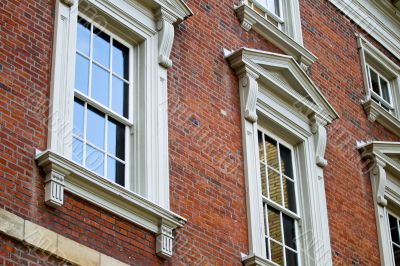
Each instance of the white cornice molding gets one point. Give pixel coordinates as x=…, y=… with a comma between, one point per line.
x=107, y=195
x=381, y=25
x=252, y=20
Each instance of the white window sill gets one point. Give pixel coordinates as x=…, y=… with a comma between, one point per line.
x=99, y=191
x=377, y=113
x=250, y=19
x=254, y=260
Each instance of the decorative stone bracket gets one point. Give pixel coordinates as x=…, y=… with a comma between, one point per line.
x=63, y=174
x=164, y=242
x=378, y=176
x=248, y=89
x=166, y=37
x=320, y=136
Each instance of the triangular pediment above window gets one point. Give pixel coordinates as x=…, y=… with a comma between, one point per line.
x=284, y=76
x=386, y=151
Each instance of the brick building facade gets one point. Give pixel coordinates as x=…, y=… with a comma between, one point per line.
x=316, y=82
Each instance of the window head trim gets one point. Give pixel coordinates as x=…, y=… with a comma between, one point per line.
x=250, y=19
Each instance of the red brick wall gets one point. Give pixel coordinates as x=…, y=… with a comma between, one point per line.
x=206, y=163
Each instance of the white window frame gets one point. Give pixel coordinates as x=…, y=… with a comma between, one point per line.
x=371, y=57
x=149, y=25
x=265, y=94
x=282, y=210
x=385, y=179
x=377, y=18
x=287, y=35
x=131, y=152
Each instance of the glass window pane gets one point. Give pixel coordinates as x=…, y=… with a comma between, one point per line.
x=385, y=90
x=78, y=118
x=260, y=146
x=83, y=37
x=267, y=245
x=273, y=6
x=291, y=258
x=286, y=161
x=120, y=97
x=274, y=223
x=121, y=59
x=94, y=160
x=275, y=192
x=263, y=179
x=394, y=230
x=276, y=253
x=396, y=252
x=289, y=231
x=289, y=194
x=95, y=127
x=272, y=152
x=82, y=74
x=374, y=81
x=101, y=47
x=100, y=85
x=77, y=151
x=115, y=171
x=116, y=139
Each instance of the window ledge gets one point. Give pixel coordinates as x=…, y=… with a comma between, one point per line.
x=377, y=113
x=254, y=260
x=250, y=19
x=62, y=173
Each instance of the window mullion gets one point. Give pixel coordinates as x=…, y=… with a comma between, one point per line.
x=84, y=133
x=91, y=61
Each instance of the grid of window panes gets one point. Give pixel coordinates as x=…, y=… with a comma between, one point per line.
x=101, y=104
x=279, y=200
x=380, y=89
x=394, y=224
x=270, y=9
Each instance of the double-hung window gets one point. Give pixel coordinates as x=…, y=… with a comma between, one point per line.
x=277, y=175
x=382, y=86
x=380, y=89
x=108, y=104
x=102, y=102
x=284, y=139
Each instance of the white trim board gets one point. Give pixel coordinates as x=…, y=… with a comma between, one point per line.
x=382, y=24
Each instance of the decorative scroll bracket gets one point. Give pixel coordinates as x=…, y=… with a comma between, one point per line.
x=165, y=28
x=320, y=136
x=379, y=180
x=248, y=90
x=164, y=242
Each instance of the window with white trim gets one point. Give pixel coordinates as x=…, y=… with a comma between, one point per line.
x=380, y=89
x=382, y=86
x=102, y=102
x=108, y=104
x=284, y=141
x=278, y=181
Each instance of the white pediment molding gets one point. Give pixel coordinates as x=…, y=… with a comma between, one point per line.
x=377, y=155
x=306, y=94
x=379, y=20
